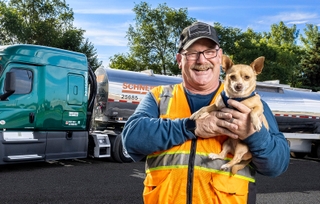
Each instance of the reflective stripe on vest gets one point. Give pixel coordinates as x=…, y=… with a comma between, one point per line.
x=165, y=99
x=179, y=159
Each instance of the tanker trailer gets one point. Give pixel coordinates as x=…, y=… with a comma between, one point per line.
x=118, y=94
x=298, y=116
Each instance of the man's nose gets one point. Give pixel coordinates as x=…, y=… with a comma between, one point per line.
x=201, y=58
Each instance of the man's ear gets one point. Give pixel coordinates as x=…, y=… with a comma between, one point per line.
x=179, y=58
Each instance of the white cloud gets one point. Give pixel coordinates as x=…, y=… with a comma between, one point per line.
x=104, y=34
x=107, y=39
x=104, y=11
x=292, y=18
x=297, y=22
x=202, y=8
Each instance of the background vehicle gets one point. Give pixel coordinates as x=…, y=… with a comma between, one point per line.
x=297, y=114
x=52, y=106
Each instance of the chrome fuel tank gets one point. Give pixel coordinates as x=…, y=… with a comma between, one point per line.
x=120, y=91
x=296, y=110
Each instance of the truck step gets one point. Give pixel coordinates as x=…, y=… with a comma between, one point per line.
x=102, y=147
x=25, y=157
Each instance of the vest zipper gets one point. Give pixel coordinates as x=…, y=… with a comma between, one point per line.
x=191, y=171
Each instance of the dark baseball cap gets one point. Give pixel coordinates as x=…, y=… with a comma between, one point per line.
x=196, y=31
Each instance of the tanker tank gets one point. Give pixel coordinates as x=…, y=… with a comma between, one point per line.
x=120, y=91
x=296, y=110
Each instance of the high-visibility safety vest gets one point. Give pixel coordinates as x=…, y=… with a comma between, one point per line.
x=184, y=174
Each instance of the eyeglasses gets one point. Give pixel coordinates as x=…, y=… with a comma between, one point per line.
x=208, y=54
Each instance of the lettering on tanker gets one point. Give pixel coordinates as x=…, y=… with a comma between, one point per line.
x=135, y=88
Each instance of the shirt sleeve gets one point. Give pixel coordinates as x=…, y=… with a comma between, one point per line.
x=145, y=133
x=269, y=148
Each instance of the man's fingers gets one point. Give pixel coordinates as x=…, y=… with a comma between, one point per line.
x=229, y=124
x=225, y=131
x=238, y=106
x=222, y=115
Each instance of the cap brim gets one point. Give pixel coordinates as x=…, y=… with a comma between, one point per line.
x=188, y=44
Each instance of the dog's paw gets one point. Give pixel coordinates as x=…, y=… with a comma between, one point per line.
x=225, y=167
x=257, y=124
x=195, y=116
x=198, y=114
x=214, y=156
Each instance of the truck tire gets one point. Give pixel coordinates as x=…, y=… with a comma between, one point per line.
x=318, y=151
x=299, y=155
x=119, y=154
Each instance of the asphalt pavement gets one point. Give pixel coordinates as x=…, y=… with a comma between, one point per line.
x=103, y=181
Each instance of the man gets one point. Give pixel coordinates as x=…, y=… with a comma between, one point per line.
x=177, y=166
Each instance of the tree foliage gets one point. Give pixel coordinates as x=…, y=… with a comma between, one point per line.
x=287, y=53
x=278, y=47
x=153, y=39
x=310, y=63
x=43, y=22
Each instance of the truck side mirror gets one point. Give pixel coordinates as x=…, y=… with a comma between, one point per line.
x=9, y=85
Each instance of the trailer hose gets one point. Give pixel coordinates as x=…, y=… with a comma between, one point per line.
x=92, y=94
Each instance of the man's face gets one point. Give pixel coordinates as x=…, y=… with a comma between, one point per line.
x=201, y=74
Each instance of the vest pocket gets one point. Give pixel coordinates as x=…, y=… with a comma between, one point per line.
x=225, y=186
x=165, y=186
x=156, y=187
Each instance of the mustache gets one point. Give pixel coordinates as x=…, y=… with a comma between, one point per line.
x=202, y=67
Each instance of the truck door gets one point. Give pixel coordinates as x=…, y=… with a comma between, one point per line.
x=18, y=112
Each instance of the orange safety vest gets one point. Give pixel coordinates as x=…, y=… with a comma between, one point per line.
x=184, y=173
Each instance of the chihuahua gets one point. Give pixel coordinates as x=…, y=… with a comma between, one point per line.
x=239, y=84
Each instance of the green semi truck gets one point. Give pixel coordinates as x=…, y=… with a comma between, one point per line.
x=53, y=106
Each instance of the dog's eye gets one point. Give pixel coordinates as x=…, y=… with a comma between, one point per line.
x=247, y=77
x=232, y=77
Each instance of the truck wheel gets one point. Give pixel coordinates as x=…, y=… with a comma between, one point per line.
x=318, y=151
x=298, y=155
x=119, y=154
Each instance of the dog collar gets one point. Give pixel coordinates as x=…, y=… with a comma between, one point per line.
x=225, y=98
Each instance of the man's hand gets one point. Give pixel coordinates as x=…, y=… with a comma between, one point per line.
x=215, y=123
x=241, y=118
x=235, y=123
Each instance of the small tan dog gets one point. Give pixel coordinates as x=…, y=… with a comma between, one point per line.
x=239, y=84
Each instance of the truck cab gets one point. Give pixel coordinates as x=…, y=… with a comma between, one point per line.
x=43, y=103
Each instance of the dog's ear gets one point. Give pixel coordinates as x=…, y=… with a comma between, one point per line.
x=257, y=65
x=226, y=63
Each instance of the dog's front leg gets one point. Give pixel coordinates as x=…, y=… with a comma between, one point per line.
x=207, y=109
x=203, y=112
x=227, y=147
x=256, y=111
x=241, y=153
x=257, y=124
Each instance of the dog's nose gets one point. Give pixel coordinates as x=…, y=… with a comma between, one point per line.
x=239, y=87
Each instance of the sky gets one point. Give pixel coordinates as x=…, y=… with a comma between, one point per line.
x=106, y=21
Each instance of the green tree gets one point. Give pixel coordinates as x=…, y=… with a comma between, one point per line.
x=227, y=38
x=43, y=22
x=245, y=47
x=283, y=41
x=153, y=39
x=310, y=63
